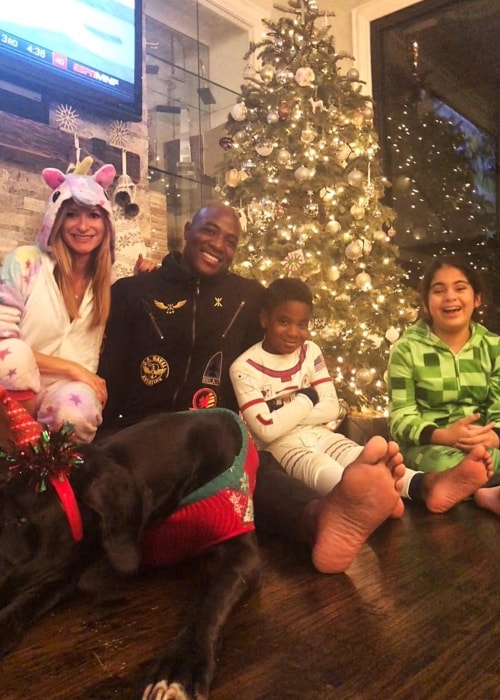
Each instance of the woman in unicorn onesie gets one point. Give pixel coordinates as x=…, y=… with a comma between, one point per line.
x=54, y=302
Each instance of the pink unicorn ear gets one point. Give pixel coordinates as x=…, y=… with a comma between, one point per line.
x=53, y=177
x=105, y=175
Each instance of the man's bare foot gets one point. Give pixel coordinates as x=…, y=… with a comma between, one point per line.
x=443, y=490
x=489, y=498
x=367, y=494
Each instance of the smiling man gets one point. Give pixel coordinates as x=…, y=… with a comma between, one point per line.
x=172, y=333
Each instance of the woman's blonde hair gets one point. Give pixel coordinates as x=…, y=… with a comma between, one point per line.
x=99, y=272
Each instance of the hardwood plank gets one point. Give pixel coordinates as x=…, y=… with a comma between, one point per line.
x=416, y=616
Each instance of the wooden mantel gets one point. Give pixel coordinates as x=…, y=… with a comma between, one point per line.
x=36, y=146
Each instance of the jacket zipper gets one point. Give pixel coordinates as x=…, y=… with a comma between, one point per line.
x=152, y=319
x=235, y=316
x=193, y=336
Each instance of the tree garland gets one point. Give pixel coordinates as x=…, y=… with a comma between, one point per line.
x=52, y=456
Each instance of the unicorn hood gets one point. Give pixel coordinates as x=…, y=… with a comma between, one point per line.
x=87, y=190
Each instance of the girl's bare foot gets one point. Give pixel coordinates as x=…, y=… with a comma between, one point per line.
x=443, y=490
x=489, y=498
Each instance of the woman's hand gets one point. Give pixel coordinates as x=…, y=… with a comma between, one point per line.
x=96, y=383
x=67, y=369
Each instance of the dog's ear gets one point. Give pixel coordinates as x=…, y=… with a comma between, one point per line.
x=119, y=501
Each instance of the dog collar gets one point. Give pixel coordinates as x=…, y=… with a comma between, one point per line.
x=69, y=504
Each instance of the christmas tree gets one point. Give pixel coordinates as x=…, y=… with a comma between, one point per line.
x=302, y=168
x=443, y=182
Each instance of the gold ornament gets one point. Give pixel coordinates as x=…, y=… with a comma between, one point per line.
x=363, y=377
x=267, y=73
x=357, y=211
x=333, y=226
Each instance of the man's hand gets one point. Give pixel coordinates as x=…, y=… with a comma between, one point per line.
x=143, y=264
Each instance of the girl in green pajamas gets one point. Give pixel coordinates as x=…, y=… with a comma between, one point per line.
x=444, y=377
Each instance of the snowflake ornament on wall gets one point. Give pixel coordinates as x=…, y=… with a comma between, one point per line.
x=119, y=134
x=66, y=118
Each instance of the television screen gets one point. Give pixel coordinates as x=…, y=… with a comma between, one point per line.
x=83, y=52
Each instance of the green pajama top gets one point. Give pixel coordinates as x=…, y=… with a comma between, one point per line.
x=429, y=385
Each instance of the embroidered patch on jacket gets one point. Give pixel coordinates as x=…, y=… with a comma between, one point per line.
x=169, y=308
x=154, y=369
x=213, y=370
x=205, y=398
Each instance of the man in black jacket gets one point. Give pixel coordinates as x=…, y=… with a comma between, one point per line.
x=171, y=337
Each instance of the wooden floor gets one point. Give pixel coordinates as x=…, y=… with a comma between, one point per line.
x=416, y=617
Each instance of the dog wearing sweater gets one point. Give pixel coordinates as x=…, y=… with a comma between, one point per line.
x=156, y=493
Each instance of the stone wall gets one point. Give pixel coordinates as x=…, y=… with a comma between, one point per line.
x=26, y=147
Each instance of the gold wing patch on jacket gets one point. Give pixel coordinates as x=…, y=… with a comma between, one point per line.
x=169, y=308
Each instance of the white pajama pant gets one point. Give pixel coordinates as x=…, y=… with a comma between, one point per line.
x=61, y=401
x=315, y=455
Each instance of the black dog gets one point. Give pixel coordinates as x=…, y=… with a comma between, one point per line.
x=127, y=482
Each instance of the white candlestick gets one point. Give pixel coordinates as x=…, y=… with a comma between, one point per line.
x=76, y=142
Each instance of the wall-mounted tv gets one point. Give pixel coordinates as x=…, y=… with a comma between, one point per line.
x=86, y=53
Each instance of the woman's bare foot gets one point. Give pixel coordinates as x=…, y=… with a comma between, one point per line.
x=489, y=498
x=367, y=494
x=443, y=490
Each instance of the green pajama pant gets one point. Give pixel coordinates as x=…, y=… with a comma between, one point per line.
x=438, y=458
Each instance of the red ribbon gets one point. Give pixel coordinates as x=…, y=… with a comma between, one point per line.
x=68, y=501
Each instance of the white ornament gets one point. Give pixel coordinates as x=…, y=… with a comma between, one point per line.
x=354, y=250
x=119, y=134
x=308, y=134
x=343, y=152
x=273, y=116
x=283, y=76
x=304, y=76
x=326, y=194
x=316, y=105
x=380, y=236
x=355, y=178
x=67, y=118
x=334, y=273
x=363, y=280
x=264, y=147
x=232, y=178
x=243, y=219
x=392, y=334
x=239, y=112
x=411, y=314
x=375, y=340
x=283, y=156
x=367, y=246
x=303, y=174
